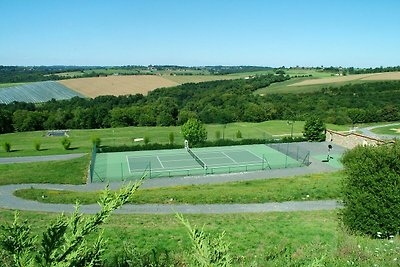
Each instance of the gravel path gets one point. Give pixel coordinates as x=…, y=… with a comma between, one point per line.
x=9, y=201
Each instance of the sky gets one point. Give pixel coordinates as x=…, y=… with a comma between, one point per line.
x=199, y=33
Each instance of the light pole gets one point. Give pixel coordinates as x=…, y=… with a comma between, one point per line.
x=291, y=132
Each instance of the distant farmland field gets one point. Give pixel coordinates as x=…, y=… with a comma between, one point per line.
x=117, y=85
x=36, y=92
x=305, y=85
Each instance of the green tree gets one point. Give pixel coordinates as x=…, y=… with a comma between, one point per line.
x=314, y=129
x=194, y=131
x=371, y=190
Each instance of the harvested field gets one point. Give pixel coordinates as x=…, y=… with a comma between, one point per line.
x=117, y=85
x=384, y=76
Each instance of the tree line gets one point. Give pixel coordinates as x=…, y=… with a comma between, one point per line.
x=211, y=102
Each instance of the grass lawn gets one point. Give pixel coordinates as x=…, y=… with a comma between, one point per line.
x=264, y=239
x=306, y=187
x=22, y=144
x=393, y=130
x=72, y=171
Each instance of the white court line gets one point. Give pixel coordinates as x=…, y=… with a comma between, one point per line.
x=129, y=166
x=160, y=162
x=229, y=157
x=254, y=154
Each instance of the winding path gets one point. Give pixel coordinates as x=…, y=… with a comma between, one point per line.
x=9, y=201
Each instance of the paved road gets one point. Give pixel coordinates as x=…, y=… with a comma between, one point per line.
x=40, y=158
x=9, y=201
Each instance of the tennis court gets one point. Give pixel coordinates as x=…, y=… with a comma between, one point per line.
x=197, y=161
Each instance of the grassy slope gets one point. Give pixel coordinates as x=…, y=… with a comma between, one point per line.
x=269, y=239
x=284, y=88
x=22, y=143
x=59, y=172
x=387, y=130
x=306, y=187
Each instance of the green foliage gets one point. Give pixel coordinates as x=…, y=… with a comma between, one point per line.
x=171, y=138
x=194, y=131
x=314, y=129
x=65, y=241
x=36, y=145
x=146, y=140
x=371, y=191
x=96, y=141
x=238, y=134
x=16, y=239
x=7, y=146
x=66, y=143
x=207, y=250
x=133, y=257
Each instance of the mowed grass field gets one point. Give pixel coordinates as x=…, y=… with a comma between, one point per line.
x=305, y=85
x=297, y=188
x=256, y=239
x=22, y=144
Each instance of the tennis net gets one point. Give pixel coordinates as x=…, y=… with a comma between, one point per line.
x=202, y=164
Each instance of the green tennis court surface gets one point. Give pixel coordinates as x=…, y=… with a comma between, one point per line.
x=178, y=162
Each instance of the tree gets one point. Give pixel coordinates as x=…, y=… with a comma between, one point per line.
x=194, y=131
x=314, y=129
x=371, y=191
x=5, y=121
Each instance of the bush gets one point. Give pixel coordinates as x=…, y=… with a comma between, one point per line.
x=220, y=142
x=37, y=145
x=371, y=191
x=66, y=143
x=171, y=138
x=218, y=135
x=7, y=146
x=238, y=134
x=96, y=141
x=146, y=140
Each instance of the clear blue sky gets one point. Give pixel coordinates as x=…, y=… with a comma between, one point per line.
x=204, y=32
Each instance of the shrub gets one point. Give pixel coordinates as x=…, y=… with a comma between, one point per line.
x=7, y=146
x=171, y=138
x=238, y=134
x=218, y=135
x=371, y=191
x=96, y=141
x=66, y=143
x=146, y=140
x=37, y=145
